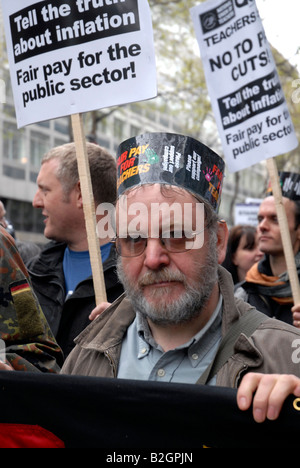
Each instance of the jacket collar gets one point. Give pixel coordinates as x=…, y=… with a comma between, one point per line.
x=232, y=307
x=50, y=260
x=46, y=263
x=108, y=330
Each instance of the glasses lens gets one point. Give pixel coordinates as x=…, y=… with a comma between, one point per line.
x=130, y=246
x=177, y=243
x=135, y=246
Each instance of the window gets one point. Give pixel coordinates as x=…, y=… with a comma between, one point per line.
x=134, y=131
x=39, y=146
x=24, y=217
x=13, y=143
x=62, y=125
x=119, y=126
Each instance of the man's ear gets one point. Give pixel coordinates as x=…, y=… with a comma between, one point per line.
x=222, y=234
x=78, y=193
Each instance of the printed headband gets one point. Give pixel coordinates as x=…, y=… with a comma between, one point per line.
x=170, y=159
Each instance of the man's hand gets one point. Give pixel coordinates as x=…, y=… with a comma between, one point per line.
x=270, y=391
x=296, y=315
x=99, y=310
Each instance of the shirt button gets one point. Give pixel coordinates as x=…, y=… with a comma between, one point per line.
x=144, y=350
x=195, y=357
x=161, y=373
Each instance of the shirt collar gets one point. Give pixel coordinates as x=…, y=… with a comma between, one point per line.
x=146, y=340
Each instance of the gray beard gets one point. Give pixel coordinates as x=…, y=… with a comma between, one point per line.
x=183, y=309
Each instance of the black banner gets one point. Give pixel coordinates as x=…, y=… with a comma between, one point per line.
x=85, y=412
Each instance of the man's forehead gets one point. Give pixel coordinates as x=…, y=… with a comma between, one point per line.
x=155, y=207
x=169, y=193
x=268, y=206
x=48, y=169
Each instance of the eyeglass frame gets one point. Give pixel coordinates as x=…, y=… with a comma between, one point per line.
x=193, y=233
x=212, y=218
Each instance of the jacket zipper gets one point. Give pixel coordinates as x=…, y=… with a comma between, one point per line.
x=112, y=363
x=239, y=375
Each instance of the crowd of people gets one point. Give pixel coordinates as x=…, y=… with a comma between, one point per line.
x=170, y=305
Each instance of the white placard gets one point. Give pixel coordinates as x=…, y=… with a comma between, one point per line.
x=246, y=214
x=73, y=56
x=247, y=98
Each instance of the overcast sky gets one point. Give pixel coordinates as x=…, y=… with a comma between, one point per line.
x=281, y=20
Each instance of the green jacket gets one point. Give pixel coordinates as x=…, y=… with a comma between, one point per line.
x=268, y=350
x=26, y=343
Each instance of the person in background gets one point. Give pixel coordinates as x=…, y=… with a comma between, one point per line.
x=267, y=285
x=27, y=250
x=179, y=303
x=61, y=274
x=242, y=251
x=26, y=341
x=4, y=222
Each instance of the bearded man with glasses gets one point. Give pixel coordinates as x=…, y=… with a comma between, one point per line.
x=179, y=305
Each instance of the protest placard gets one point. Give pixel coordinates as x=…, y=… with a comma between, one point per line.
x=246, y=213
x=73, y=56
x=247, y=99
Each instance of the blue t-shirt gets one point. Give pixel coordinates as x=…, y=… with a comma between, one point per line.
x=77, y=267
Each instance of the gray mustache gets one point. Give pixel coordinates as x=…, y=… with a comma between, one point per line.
x=162, y=276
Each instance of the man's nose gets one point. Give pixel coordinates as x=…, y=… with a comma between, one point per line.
x=263, y=225
x=38, y=201
x=156, y=255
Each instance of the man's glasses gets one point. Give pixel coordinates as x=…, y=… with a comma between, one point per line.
x=173, y=242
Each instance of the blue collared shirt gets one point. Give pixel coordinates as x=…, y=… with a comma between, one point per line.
x=143, y=359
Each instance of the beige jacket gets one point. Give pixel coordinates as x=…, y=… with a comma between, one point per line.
x=269, y=350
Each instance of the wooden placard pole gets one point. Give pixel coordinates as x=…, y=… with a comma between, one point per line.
x=284, y=229
x=89, y=208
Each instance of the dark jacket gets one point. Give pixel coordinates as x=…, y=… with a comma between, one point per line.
x=264, y=303
x=68, y=318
